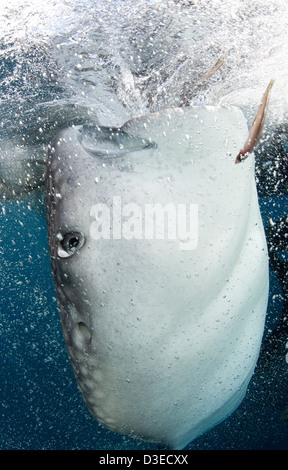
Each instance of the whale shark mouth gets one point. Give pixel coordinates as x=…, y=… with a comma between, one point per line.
x=162, y=340
x=110, y=141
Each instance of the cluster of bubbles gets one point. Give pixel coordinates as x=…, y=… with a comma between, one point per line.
x=116, y=59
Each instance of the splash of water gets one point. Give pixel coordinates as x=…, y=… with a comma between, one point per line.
x=119, y=59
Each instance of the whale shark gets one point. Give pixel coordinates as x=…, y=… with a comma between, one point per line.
x=160, y=267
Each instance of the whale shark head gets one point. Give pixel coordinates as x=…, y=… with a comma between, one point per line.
x=160, y=267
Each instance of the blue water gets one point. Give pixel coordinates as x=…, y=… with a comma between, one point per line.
x=40, y=406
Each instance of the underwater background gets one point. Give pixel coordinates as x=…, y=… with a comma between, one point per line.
x=65, y=62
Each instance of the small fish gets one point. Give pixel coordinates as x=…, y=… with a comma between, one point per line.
x=220, y=61
x=257, y=126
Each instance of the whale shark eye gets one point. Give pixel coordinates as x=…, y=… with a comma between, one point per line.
x=69, y=243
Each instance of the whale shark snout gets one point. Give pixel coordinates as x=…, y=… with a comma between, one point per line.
x=163, y=340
